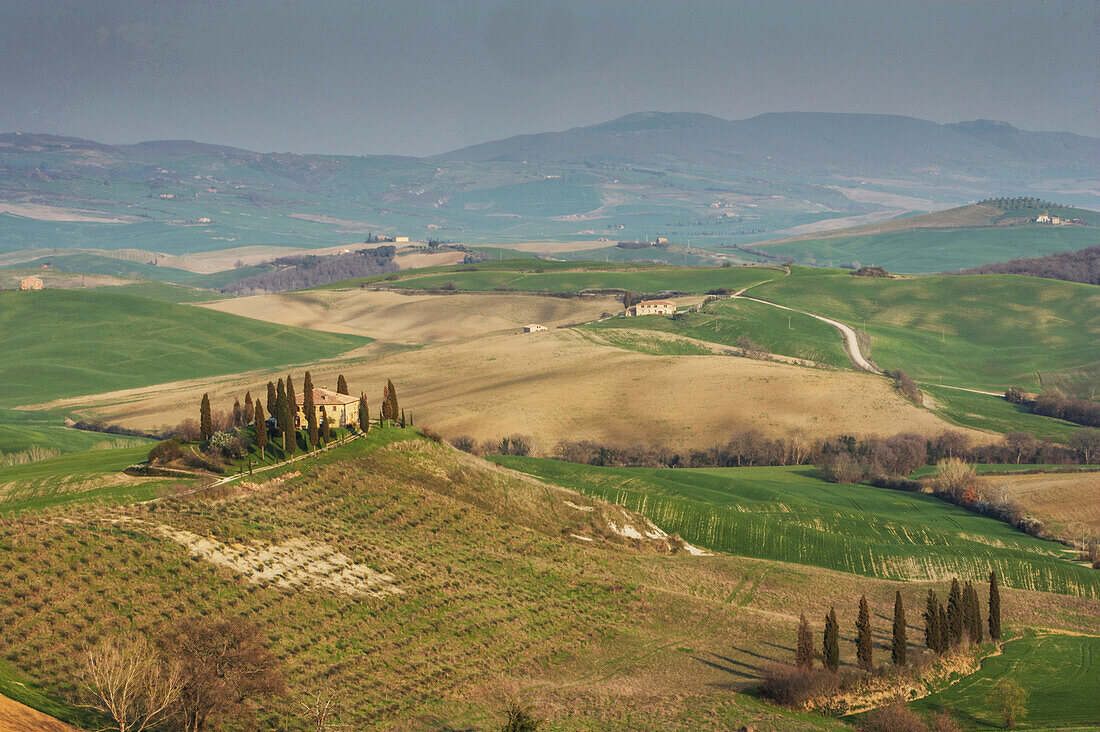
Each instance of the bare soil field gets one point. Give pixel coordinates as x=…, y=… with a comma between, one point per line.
x=1067, y=502
x=414, y=319
x=42, y=212
x=560, y=385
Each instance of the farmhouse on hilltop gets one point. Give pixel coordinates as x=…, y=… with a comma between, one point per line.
x=32, y=283
x=342, y=409
x=653, y=307
x=534, y=328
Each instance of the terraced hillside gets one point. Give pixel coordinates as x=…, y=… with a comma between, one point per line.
x=791, y=515
x=85, y=342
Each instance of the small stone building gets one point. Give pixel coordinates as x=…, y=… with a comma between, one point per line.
x=32, y=283
x=534, y=328
x=653, y=307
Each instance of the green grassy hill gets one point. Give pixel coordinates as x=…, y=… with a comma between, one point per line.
x=527, y=276
x=986, y=332
x=1057, y=671
x=99, y=264
x=791, y=515
x=68, y=343
x=945, y=240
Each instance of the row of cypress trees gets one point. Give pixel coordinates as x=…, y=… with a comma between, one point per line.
x=945, y=628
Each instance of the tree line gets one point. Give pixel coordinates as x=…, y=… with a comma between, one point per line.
x=310, y=270
x=1053, y=403
x=1080, y=266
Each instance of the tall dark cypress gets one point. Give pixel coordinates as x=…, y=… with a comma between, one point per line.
x=973, y=614
x=955, y=613
x=864, y=644
x=291, y=401
x=342, y=385
x=259, y=428
x=364, y=414
x=206, y=421
x=930, y=605
x=830, y=646
x=280, y=407
x=238, y=413
x=249, y=408
x=994, y=608
x=271, y=397
x=326, y=428
x=899, y=650
x=309, y=408
x=804, y=650
x=943, y=635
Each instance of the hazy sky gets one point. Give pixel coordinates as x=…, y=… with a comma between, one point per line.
x=407, y=77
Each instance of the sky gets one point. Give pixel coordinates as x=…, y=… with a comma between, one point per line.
x=418, y=78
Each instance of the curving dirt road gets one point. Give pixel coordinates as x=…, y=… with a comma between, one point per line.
x=851, y=342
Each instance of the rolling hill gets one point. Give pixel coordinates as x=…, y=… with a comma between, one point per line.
x=959, y=238
x=72, y=342
x=700, y=181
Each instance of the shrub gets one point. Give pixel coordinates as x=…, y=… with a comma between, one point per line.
x=518, y=719
x=955, y=477
x=431, y=434
x=166, y=452
x=794, y=687
x=464, y=443
x=894, y=718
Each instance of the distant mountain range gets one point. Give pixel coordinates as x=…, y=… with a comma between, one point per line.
x=699, y=181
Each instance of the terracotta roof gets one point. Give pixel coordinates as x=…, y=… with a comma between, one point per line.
x=326, y=397
x=657, y=302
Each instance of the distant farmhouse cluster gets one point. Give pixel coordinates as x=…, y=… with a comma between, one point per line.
x=32, y=283
x=1055, y=220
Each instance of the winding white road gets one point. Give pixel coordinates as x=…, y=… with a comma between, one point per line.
x=851, y=342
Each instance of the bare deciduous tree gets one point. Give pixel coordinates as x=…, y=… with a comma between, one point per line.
x=127, y=680
x=322, y=709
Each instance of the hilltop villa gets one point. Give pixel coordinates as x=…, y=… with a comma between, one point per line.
x=534, y=328
x=653, y=307
x=342, y=409
x=31, y=283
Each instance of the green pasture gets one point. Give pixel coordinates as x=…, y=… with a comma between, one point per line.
x=940, y=250
x=63, y=343
x=1059, y=673
x=992, y=413
x=585, y=277
x=728, y=321
x=982, y=331
x=789, y=514
x=92, y=475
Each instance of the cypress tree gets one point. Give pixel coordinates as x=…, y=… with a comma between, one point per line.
x=271, y=397
x=238, y=413
x=326, y=428
x=994, y=608
x=279, y=412
x=292, y=403
x=403, y=423
x=249, y=408
x=342, y=385
x=390, y=409
x=955, y=613
x=804, y=652
x=831, y=642
x=899, y=649
x=260, y=429
x=863, y=636
x=973, y=614
x=206, y=422
x=930, y=604
x=309, y=408
x=364, y=415
x=942, y=634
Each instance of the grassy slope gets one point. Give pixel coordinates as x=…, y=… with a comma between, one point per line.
x=941, y=251
x=73, y=342
x=727, y=321
x=98, y=264
x=93, y=475
x=988, y=331
x=1059, y=673
x=497, y=602
x=581, y=276
x=985, y=412
x=789, y=514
